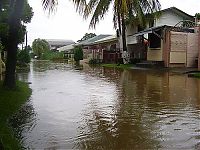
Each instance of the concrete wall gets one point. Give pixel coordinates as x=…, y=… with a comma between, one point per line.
x=192, y=50
x=184, y=48
x=178, y=48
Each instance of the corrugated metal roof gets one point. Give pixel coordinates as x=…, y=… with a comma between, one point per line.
x=93, y=39
x=106, y=39
x=59, y=42
x=66, y=48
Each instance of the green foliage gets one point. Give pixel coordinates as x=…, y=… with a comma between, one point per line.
x=4, y=17
x=28, y=48
x=1, y=47
x=94, y=61
x=11, y=101
x=120, y=66
x=23, y=57
x=78, y=53
x=40, y=46
x=87, y=36
x=51, y=55
x=197, y=15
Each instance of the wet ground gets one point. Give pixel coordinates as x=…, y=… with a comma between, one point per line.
x=105, y=108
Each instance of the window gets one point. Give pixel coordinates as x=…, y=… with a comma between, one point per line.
x=154, y=40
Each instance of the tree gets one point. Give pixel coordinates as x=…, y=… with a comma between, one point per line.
x=23, y=57
x=40, y=46
x=78, y=53
x=197, y=15
x=87, y=36
x=122, y=10
x=13, y=14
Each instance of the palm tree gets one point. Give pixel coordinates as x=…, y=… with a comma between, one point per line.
x=122, y=10
x=14, y=27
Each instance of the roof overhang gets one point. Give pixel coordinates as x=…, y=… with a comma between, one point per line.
x=132, y=39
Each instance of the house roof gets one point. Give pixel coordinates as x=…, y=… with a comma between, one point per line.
x=152, y=29
x=179, y=12
x=66, y=48
x=93, y=39
x=59, y=42
x=106, y=39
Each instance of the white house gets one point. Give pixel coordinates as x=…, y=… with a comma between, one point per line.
x=168, y=39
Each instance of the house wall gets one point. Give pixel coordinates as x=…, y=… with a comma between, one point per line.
x=178, y=48
x=192, y=50
x=168, y=18
x=155, y=54
x=131, y=29
x=183, y=49
x=137, y=51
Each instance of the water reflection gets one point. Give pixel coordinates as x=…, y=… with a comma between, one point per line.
x=151, y=112
x=105, y=108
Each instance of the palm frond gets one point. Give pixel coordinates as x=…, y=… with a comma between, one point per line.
x=50, y=5
x=100, y=9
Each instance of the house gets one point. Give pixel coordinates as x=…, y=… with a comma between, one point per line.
x=68, y=51
x=88, y=45
x=107, y=50
x=57, y=43
x=170, y=40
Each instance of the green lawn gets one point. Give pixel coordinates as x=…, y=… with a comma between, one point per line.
x=121, y=66
x=10, y=102
x=196, y=75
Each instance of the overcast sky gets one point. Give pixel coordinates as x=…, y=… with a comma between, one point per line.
x=67, y=24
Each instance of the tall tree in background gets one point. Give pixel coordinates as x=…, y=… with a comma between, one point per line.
x=87, y=36
x=13, y=13
x=40, y=46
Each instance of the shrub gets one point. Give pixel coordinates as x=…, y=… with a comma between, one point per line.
x=23, y=57
x=51, y=55
x=94, y=61
x=78, y=53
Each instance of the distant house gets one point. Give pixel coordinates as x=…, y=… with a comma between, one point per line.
x=88, y=45
x=68, y=51
x=57, y=43
x=107, y=50
x=170, y=40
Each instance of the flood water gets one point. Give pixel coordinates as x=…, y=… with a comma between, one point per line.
x=106, y=108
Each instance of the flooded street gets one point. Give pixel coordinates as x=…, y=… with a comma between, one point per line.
x=106, y=108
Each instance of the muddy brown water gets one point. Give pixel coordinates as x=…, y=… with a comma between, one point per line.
x=106, y=108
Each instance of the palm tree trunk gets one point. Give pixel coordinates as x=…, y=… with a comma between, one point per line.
x=14, y=26
x=124, y=34
x=26, y=38
x=119, y=22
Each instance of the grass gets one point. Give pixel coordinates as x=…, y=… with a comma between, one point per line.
x=121, y=66
x=196, y=75
x=10, y=102
x=50, y=55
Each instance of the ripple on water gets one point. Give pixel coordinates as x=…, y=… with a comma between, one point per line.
x=103, y=108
